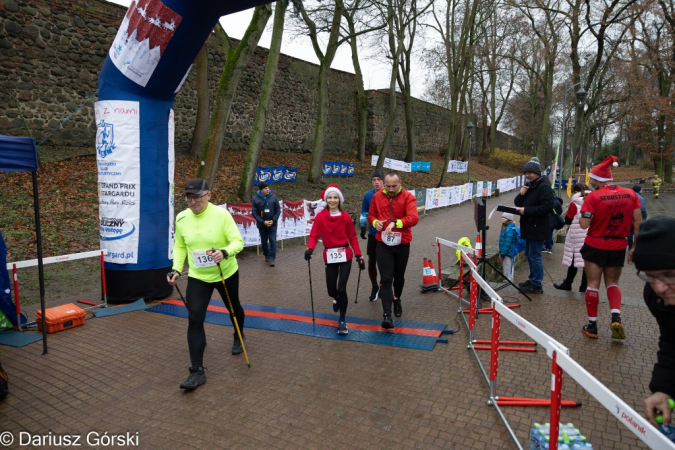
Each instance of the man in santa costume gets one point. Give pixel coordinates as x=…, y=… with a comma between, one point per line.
x=608, y=213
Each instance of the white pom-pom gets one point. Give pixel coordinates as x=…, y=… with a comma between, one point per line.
x=615, y=164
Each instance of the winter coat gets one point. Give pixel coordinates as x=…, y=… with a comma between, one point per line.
x=507, y=240
x=260, y=203
x=663, y=375
x=535, y=223
x=575, y=236
x=402, y=209
x=643, y=206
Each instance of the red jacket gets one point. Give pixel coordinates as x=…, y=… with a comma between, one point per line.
x=402, y=209
x=335, y=231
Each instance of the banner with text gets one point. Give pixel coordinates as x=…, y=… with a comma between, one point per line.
x=457, y=166
x=275, y=174
x=392, y=164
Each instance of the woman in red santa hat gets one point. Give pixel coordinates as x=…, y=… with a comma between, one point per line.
x=336, y=230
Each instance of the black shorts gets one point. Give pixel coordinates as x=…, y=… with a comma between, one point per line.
x=603, y=258
x=372, y=245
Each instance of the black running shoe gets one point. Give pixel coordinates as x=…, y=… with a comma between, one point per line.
x=387, y=323
x=197, y=378
x=532, y=289
x=342, y=328
x=524, y=284
x=398, y=310
x=237, y=348
x=336, y=308
x=564, y=286
x=590, y=330
x=374, y=292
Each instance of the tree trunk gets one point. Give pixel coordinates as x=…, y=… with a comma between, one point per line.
x=326, y=60
x=202, y=122
x=255, y=144
x=236, y=62
x=361, y=102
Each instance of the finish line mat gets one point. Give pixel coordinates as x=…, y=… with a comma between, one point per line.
x=407, y=334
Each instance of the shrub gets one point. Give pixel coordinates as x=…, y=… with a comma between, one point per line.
x=506, y=159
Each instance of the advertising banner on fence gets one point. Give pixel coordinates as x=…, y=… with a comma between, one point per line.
x=119, y=178
x=392, y=164
x=457, y=166
x=421, y=196
x=420, y=166
x=433, y=198
x=312, y=208
x=172, y=165
x=293, y=221
x=338, y=169
x=275, y=174
x=243, y=217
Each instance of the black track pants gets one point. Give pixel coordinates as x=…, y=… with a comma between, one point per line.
x=391, y=262
x=337, y=276
x=197, y=298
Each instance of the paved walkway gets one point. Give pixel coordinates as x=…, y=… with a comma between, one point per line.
x=120, y=374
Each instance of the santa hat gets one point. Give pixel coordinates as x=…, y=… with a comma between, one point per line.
x=331, y=189
x=602, y=171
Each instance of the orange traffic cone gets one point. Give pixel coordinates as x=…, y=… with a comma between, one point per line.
x=429, y=278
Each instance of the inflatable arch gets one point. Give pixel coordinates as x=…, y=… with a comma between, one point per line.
x=146, y=65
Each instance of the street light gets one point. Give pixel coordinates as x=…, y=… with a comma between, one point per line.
x=469, y=127
x=661, y=144
x=581, y=96
x=532, y=148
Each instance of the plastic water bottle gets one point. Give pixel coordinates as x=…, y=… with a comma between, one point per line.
x=534, y=436
x=668, y=430
x=581, y=444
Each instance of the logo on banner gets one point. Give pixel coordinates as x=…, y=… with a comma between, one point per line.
x=264, y=176
x=289, y=175
x=115, y=228
x=105, y=140
x=278, y=174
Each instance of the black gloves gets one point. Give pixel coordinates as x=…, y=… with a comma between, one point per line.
x=308, y=254
x=362, y=265
x=364, y=230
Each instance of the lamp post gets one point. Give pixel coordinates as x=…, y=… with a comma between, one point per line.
x=469, y=127
x=661, y=144
x=532, y=148
x=581, y=96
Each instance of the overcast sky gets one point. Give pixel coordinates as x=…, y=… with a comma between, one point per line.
x=375, y=74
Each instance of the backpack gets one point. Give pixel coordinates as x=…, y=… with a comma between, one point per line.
x=520, y=242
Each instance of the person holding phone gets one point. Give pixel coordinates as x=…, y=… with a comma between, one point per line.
x=393, y=212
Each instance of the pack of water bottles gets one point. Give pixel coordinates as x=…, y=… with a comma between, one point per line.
x=668, y=429
x=569, y=437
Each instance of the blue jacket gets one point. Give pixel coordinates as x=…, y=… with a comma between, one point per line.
x=365, y=207
x=507, y=240
x=643, y=206
x=260, y=203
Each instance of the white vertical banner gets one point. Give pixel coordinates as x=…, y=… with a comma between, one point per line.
x=479, y=188
x=119, y=178
x=172, y=166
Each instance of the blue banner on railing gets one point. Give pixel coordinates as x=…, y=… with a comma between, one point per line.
x=420, y=167
x=338, y=169
x=275, y=174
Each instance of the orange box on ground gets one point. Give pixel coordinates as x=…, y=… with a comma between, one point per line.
x=61, y=318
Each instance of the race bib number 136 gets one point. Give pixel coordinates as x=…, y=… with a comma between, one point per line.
x=201, y=259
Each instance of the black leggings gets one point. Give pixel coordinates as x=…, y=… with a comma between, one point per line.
x=391, y=262
x=372, y=259
x=197, y=298
x=572, y=273
x=337, y=275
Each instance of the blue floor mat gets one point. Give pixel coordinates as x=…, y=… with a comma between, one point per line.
x=407, y=334
x=18, y=338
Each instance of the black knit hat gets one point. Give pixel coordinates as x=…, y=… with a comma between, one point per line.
x=377, y=173
x=533, y=166
x=637, y=188
x=655, y=244
x=262, y=185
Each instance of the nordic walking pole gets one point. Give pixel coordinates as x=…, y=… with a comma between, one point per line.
x=234, y=317
x=169, y=275
x=358, y=283
x=311, y=293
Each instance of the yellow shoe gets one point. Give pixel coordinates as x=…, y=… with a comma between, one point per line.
x=617, y=331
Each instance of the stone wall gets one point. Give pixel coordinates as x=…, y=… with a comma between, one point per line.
x=52, y=51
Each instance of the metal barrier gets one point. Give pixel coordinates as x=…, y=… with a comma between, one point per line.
x=13, y=266
x=561, y=361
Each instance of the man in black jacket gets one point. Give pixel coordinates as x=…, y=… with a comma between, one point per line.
x=266, y=211
x=534, y=203
x=655, y=260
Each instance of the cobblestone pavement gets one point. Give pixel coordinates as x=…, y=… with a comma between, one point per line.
x=120, y=374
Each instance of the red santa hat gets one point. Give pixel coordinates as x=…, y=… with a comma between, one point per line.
x=331, y=189
x=602, y=171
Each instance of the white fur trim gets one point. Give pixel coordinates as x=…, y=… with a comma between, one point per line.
x=595, y=177
x=615, y=164
x=332, y=190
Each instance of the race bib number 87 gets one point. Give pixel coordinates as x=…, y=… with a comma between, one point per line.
x=201, y=259
x=392, y=239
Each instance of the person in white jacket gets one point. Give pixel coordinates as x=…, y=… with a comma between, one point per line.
x=574, y=240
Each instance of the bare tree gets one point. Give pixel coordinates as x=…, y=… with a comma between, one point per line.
x=235, y=63
x=255, y=144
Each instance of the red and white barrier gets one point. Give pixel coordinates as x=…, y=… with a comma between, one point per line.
x=561, y=362
x=13, y=266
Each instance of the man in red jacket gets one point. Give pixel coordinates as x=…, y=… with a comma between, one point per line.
x=393, y=212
